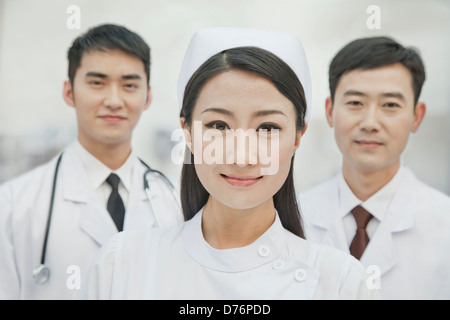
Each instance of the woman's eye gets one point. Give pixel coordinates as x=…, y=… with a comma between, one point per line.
x=268, y=127
x=219, y=125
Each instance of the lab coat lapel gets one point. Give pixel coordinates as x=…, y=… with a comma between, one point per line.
x=164, y=202
x=380, y=252
x=399, y=218
x=96, y=222
x=138, y=213
x=327, y=219
x=94, y=219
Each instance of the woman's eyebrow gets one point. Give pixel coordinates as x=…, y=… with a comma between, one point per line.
x=260, y=113
x=218, y=110
x=263, y=113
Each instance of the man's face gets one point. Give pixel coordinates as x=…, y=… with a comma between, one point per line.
x=372, y=115
x=109, y=93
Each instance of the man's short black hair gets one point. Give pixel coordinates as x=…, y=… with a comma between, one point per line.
x=376, y=52
x=108, y=37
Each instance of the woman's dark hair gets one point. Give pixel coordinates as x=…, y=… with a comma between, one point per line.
x=376, y=52
x=108, y=37
x=263, y=63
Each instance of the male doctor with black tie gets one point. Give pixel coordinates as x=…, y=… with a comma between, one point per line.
x=55, y=218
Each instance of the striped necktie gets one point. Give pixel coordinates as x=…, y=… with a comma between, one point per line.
x=361, y=239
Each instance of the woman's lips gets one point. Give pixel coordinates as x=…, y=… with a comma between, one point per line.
x=241, y=180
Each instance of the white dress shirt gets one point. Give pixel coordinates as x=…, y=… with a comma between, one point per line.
x=98, y=172
x=376, y=205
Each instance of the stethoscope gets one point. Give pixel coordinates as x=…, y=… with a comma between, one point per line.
x=41, y=274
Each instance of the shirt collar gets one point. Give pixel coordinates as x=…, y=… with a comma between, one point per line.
x=377, y=204
x=347, y=199
x=98, y=172
x=264, y=250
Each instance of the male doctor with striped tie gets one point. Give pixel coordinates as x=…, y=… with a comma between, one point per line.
x=375, y=208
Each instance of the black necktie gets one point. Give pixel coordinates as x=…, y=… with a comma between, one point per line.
x=115, y=204
x=361, y=238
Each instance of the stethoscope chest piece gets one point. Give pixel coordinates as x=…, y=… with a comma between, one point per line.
x=41, y=274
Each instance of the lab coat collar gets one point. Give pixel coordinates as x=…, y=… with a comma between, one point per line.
x=381, y=252
x=138, y=180
x=402, y=211
x=325, y=216
x=153, y=180
x=94, y=219
x=399, y=217
x=379, y=203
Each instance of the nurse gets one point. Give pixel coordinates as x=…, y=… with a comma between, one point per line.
x=242, y=238
x=95, y=189
x=375, y=208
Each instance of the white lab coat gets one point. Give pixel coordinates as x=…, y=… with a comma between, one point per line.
x=410, y=250
x=177, y=263
x=80, y=225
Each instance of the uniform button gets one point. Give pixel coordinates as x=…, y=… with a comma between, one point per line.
x=300, y=275
x=278, y=264
x=263, y=251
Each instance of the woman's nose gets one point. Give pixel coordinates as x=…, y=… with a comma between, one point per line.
x=245, y=147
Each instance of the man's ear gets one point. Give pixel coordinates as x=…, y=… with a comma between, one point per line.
x=68, y=94
x=149, y=98
x=419, y=114
x=329, y=111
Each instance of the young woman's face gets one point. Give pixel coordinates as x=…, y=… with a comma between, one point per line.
x=248, y=136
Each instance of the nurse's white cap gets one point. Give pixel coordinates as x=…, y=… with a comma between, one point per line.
x=207, y=42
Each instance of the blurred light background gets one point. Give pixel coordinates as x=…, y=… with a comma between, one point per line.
x=35, y=123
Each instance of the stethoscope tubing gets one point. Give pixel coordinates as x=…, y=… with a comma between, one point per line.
x=50, y=210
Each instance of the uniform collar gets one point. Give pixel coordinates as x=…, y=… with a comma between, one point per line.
x=264, y=250
x=97, y=172
x=377, y=204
